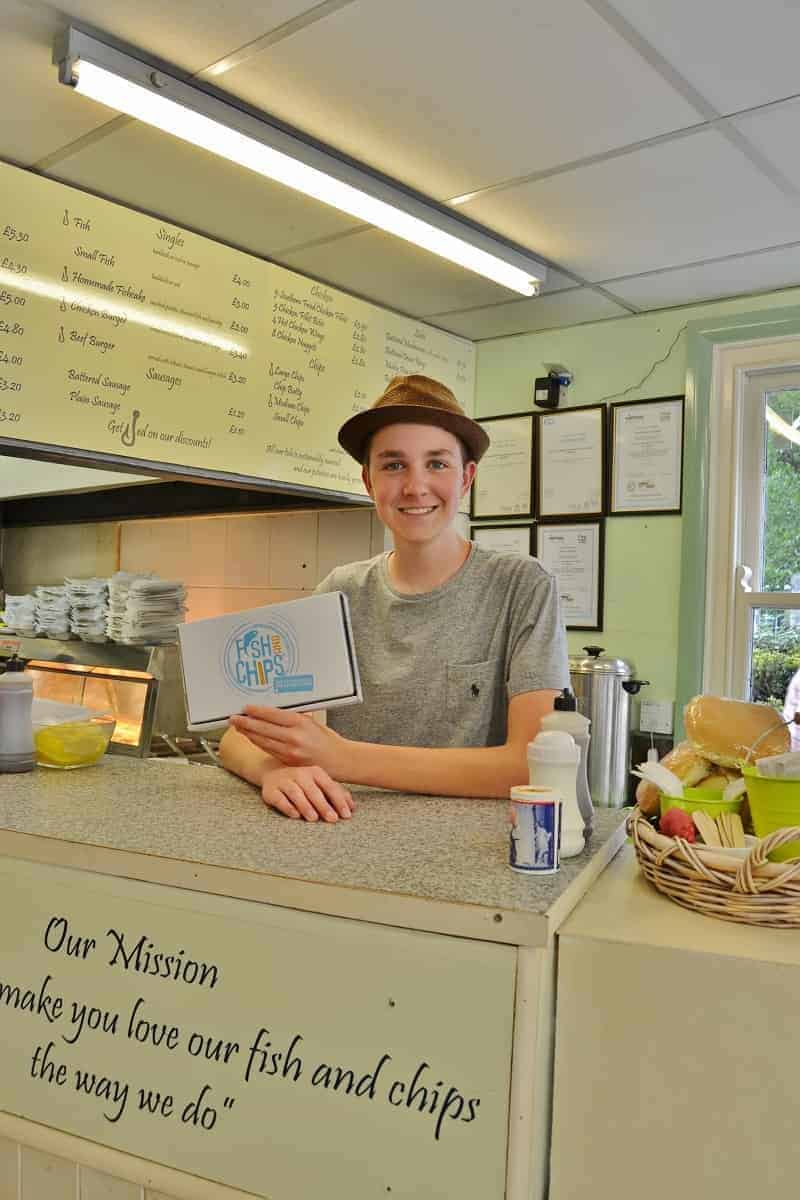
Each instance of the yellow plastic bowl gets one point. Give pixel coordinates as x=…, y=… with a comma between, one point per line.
x=74, y=743
x=774, y=804
x=700, y=800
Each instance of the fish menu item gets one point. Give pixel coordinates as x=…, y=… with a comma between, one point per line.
x=297, y=655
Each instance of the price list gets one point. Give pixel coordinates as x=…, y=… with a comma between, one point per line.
x=125, y=336
x=15, y=246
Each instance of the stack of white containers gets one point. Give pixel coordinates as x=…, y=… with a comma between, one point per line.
x=20, y=614
x=88, y=613
x=52, y=611
x=144, y=609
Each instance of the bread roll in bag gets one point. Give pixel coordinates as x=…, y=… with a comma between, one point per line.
x=724, y=731
x=683, y=761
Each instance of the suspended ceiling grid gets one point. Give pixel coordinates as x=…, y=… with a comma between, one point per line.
x=645, y=149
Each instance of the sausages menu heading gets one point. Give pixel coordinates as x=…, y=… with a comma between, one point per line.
x=126, y=336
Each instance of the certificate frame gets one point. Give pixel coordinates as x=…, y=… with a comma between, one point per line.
x=516, y=499
x=591, y=618
x=553, y=425
x=526, y=538
x=622, y=467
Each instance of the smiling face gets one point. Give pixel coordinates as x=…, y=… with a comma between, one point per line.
x=417, y=476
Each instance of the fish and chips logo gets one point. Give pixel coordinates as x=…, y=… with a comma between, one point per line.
x=258, y=656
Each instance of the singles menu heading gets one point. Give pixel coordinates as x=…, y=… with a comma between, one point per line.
x=125, y=336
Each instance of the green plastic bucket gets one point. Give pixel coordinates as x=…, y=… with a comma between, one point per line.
x=704, y=800
x=774, y=804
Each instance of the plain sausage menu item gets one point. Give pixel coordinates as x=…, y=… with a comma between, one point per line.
x=126, y=336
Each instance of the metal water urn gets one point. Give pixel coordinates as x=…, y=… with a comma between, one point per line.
x=603, y=687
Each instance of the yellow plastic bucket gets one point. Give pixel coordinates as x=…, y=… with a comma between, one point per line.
x=774, y=804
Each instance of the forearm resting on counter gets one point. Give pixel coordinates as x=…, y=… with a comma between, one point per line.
x=264, y=739
x=239, y=755
x=485, y=771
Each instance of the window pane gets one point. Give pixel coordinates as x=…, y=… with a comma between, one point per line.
x=775, y=662
x=780, y=561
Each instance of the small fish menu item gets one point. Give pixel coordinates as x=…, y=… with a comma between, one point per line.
x=298, y=655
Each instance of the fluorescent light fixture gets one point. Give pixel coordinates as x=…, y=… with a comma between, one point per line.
x=189, y=112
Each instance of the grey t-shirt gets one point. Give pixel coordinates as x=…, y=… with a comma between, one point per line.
x=438, y=669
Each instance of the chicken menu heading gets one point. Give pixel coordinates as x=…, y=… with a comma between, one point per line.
x=129, y=337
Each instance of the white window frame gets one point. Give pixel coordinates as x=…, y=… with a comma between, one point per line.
x=735, y=518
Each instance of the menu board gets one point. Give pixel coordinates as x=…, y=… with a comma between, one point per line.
x=131, y=338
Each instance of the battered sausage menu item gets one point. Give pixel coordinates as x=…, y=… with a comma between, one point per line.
x=129, y=337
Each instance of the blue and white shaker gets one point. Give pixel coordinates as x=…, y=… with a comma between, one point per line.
x=535, y=830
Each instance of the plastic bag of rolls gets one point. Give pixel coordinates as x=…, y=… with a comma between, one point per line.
x=721, y=737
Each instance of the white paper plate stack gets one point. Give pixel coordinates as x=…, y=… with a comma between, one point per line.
x=144, y=609
x=20, y=614
x=88, y=608
x=52, y=611
x=118, y=588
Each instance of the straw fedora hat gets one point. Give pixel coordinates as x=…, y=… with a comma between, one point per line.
x=418, y=400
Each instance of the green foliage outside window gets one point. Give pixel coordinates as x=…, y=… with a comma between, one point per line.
x=782, y=498
x=776, y=637
x=776, y=657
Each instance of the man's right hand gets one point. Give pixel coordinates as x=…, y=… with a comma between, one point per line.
x=306, y=792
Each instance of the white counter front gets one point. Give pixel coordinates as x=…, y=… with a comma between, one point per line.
x=205, y=990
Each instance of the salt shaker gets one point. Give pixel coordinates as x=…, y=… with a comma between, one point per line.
x=16, y=725
x=553, y=761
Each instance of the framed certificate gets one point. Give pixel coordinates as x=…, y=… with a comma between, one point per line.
x=503, y=484
x=646, y=456
x=508, y=539
x=571, y=463
x=575, y=554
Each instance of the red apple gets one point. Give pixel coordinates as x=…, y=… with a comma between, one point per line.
x=677, y=823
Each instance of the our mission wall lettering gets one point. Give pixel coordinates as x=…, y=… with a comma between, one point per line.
x=62, y=1018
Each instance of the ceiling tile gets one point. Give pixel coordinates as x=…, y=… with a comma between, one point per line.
x=189, y=33
x=43, y=115
x=143, y=168
x=775, y=132
x=526, y=316
x=454, y=96
x=710, y=281
x=392, y=272
x=686, y=200
x=737, y=55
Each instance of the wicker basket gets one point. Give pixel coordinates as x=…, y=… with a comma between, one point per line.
x=749, y=890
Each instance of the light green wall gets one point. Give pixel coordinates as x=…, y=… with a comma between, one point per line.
x=643, y=554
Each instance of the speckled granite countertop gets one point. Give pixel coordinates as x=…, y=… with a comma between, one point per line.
x=427, y=862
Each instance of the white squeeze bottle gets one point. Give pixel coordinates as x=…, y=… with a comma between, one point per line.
x=565, y=716
x=16, y=725
x=553, y=761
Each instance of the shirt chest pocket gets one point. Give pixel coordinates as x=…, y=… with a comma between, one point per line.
x=472, y=685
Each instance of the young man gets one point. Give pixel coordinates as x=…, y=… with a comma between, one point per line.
x=461, y=650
